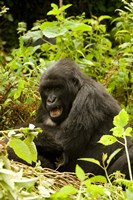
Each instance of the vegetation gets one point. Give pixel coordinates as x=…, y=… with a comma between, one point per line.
x=38, y=183
x=105, y=56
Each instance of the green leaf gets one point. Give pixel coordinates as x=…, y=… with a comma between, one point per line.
x=91, y=160
x=128, y=131
x=65, y=192
x=94, y=190
x=104, y=157
x=121, y=119
x=118, y=131
x=107, y=140
x=32, y=148
x=103, y=17
x=98, y=179
x=48, y=27
x=80, y=173
x=82, y=27
x=113, y=155
x=65, y=7
x=68, y=189
x=35, y=35
x=21, y=149
x=129, y=194
x=21, y=85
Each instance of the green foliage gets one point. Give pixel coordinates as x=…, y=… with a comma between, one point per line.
x=121, y=82
x=84, y=40
x=119, y=131
x=21, y=141
x=13, y=183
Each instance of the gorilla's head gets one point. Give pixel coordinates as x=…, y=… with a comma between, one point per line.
x=58, y=89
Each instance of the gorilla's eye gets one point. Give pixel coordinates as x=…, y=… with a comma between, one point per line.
x=75, y=81
x=57, y=89
x=47, y=90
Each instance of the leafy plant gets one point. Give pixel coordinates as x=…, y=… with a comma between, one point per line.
x=21, y=141
x=121, y=82
x=119, y=131
x=120, y=121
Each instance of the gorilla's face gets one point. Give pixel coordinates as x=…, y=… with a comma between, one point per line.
x=58, y=95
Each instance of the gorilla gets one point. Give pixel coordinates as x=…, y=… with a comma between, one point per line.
x=74, y=113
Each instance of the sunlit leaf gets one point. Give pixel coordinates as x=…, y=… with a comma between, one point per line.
x=113, y=155
x=80, y=173
x=118, y=131
x=121, y=119
x=98, y=179
x=92, y=160
x=104, y=17
x=21, y=149
x=128, y=131
x=32, y=148
x=107, y=140
x=52, y=29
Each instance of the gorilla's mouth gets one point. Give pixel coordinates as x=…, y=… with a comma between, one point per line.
x=56, y=112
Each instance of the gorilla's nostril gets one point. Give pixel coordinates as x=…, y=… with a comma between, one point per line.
x=51, y=99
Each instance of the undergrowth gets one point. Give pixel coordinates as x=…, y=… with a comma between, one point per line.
x=18, y=181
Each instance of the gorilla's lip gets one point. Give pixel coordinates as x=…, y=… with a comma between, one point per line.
x=56, y=112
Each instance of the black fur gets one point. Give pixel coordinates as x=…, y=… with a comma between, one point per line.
x=88, y=112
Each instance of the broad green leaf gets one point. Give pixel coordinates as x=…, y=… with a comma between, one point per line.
x=91, y=160
x=82, y=27
x=113, y=155
x=32, y=148
x=121, y=119
x=47, y=25
x=21, y=149
x=98, y=179
x=70, y=25
x=68, y=189
x=35, y=35
x=80, y=173
x=52, y=29
x=107, y=140
x=129, y=194
x=48, y=32
x=103, y=17
x=95, y=190
x=128, y=131
x=118, y=131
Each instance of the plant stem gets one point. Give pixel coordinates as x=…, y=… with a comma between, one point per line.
x=128, y=159
x=80, y=192
x=60, y=3
x=107, y=176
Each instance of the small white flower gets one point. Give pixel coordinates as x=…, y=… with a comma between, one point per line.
x=31, y=126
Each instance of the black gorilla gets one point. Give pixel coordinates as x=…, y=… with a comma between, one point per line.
x=74, y=113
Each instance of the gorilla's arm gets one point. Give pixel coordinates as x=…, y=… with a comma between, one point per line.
x=90, y=117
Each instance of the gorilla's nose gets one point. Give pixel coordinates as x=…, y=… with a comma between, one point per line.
x=51, y=99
